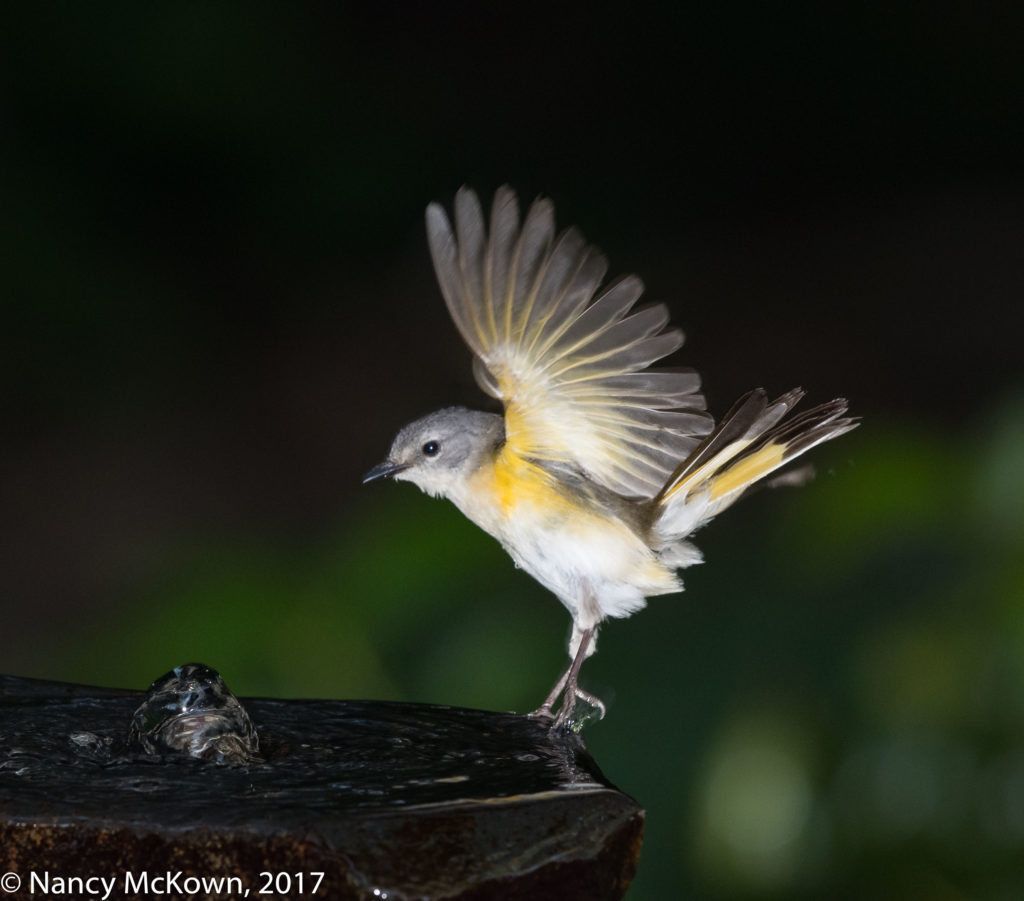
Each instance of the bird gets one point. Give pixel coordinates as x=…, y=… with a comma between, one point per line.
x=601, y=466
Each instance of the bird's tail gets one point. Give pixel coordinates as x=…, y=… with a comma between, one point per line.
x=752, y=441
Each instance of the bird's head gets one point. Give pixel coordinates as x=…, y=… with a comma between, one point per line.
x=440, y=451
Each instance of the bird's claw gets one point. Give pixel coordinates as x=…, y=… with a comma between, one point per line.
x=563, y=719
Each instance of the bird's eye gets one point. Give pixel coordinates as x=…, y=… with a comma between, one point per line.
x=431, y=448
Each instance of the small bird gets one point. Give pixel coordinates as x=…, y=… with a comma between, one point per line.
x=601, y=467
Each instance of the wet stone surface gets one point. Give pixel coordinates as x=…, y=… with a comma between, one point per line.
x=386, y=799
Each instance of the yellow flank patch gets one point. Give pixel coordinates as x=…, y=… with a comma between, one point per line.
x=748, y=470
x=515, y=481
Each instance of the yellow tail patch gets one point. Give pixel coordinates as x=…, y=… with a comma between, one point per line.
x=705, y=471
x=749, y=470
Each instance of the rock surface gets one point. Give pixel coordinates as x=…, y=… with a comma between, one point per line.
x=386, y=800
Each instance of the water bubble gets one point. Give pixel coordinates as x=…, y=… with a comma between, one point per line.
x=191, y=711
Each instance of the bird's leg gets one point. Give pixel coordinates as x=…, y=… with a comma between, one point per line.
x=572, y=690
x=568, y=682
x=544, y=711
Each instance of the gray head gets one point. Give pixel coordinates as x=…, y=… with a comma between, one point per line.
x=440, y=450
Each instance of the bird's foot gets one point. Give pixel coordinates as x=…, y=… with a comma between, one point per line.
x=565, y=717
x=572, y=715
x=595, y=703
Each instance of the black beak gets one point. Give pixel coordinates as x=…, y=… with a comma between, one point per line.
x=383, y=470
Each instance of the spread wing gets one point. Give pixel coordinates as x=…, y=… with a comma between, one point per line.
x=570, y=364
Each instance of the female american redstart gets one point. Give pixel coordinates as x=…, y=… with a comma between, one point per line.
x=601, y=467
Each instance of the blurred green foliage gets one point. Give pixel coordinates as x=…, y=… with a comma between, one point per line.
x=835, y=707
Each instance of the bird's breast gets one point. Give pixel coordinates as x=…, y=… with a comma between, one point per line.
x=560, y=538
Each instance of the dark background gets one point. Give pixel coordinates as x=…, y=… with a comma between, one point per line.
x=219, y=307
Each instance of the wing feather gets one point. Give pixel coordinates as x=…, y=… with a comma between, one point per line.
x=443, y=250
x=471, y=244
x=582, y=281
x=526, y=265
x=608, y=308
x=569, y=363
x=501, y=240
